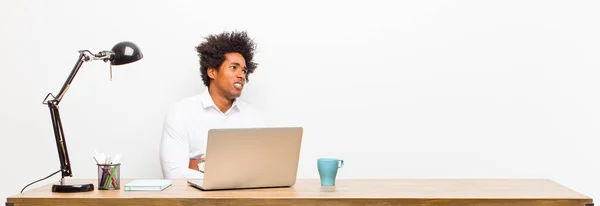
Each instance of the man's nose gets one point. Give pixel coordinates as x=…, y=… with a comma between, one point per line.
x=241, y=75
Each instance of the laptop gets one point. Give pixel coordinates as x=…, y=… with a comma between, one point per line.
x=243, y=158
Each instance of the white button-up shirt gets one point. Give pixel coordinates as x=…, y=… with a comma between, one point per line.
x=186, y=128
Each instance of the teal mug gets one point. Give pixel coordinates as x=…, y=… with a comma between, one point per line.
x=328, y=168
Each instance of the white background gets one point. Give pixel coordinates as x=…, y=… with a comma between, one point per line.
x=407, y=89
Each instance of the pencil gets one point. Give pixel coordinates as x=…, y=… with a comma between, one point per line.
x=110, y=176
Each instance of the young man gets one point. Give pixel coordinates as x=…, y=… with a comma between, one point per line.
x=225, y=64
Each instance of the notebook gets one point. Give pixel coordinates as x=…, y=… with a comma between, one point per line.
x=148, y=185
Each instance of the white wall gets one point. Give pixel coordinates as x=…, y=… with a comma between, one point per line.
x=398, y=89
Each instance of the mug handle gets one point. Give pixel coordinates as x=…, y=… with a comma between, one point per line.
x=341, y=164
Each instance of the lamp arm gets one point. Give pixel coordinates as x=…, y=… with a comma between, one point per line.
x=67, y=83
x=59, y=136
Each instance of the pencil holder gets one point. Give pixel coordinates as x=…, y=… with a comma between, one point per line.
x=109, y=176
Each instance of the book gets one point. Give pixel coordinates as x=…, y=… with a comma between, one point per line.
x=148, y=185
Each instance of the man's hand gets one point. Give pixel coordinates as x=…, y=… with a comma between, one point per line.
x=194, y=163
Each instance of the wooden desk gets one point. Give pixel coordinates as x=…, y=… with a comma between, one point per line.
x=463, y=192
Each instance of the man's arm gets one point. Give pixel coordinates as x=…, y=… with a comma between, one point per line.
x=174, y=153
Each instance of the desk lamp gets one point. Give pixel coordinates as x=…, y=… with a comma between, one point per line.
x=122, y=53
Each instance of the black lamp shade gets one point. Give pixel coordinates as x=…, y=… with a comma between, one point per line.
x=125, y=53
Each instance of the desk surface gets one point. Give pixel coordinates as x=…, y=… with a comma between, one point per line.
x=347, y=192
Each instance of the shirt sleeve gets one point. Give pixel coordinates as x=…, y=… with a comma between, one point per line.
x=174, y=151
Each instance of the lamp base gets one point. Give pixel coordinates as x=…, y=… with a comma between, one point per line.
x=82, y=187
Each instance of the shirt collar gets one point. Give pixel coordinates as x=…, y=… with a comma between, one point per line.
x=207, y=102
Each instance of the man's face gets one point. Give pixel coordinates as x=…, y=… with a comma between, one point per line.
x=229, y=80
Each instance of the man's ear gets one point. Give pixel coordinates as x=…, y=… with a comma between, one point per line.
x=212, y=72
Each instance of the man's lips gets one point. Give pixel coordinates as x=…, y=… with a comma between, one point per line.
x=238, y=85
